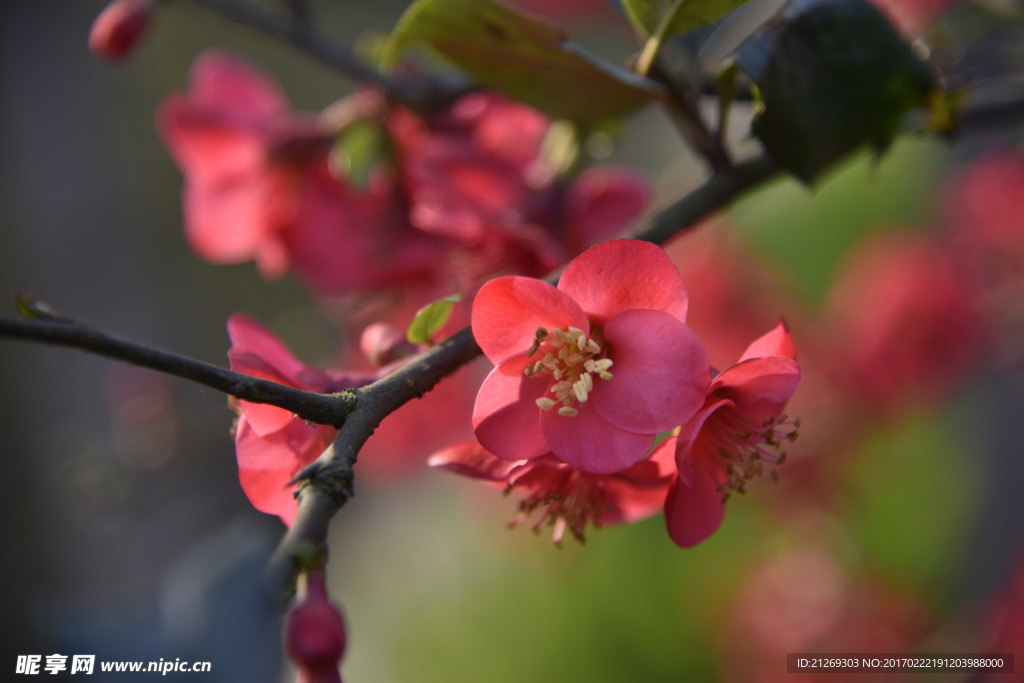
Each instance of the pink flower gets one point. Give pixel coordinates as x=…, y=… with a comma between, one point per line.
x=725, y=444
x=591, y=370
x=272, y=444
x=475, y=173
x=905, y=322
x=118, y=29
x=258, y=187
x=567, y=498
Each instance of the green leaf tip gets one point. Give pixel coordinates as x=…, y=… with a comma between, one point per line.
x=429, y=320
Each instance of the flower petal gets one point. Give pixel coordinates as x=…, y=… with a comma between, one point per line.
x=620, y=275
x=250, y=335
x=265, y=466
x=693, y=513
x=660, y=376
x=472, y=460
x=591, y=443
x=506, y=417
x=778, y=342
x=508, y=311
x=759, y=382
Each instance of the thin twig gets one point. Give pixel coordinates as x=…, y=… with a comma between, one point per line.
x=418, y=90
x=329, y=409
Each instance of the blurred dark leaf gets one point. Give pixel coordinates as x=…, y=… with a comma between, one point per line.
x=524, y=56
x=832, y=74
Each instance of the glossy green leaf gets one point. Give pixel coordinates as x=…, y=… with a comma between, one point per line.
x=647, y=15
x=524, y=56
x=832, y=75
x=430, y=319
x=357, y=151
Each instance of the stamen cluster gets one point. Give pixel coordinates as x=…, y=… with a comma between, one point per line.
x=572, y=359
x=751, y=448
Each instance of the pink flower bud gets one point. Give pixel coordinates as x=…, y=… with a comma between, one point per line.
x=315, y=637
x=382, y=344
x=118, y=28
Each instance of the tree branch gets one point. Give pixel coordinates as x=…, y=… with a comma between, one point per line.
x=330, y=409
x=421, y=91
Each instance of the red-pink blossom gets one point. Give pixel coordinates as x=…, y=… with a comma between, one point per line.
x=258, y=187
x=740, y=427
x=475, y=173
x=564, y=497
x=118, y=29
x=591, y=370
x=271, y=443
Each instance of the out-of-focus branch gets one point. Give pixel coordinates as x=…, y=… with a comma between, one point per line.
x=321, y=408
x=422, y=91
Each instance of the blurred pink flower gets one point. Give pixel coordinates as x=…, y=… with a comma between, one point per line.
x=591, y=370
x=567, y=498
x=725, y=445
x=475, y=173
x=258, y=187
x=903, y=322
x=273, y=444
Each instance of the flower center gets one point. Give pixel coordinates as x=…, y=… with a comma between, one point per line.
x=573, y=360
x=745, y=447
x=569, y=502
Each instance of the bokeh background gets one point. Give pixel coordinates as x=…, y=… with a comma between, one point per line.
x=897, y=526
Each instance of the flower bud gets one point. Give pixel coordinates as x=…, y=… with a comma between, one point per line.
x=118, y=28
x=382, y=344
x=315, y=637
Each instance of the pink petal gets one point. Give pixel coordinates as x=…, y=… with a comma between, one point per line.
x=693, y=513
x=263, y=418
x=508, y=311
x=221, y=81
x=250, y=335
x=472, y=460
x=660, y=375
x=766, y=382
x=265, y=467
x=620, y=275
x=685, y=459
x=778, y=342
x=639, y=492
x=227, y=223
x=601, y=203
x=591, y=443
x=506, y=418
x=208, y=149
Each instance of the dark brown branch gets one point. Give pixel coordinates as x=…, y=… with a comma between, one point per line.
x=321, y=408
x=422, y=91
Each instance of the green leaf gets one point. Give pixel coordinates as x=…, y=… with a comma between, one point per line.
x=360, y=148
x=523, y=56
x=430, y=319
x=832, y=75
x=647, y=15
x=28, y=307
